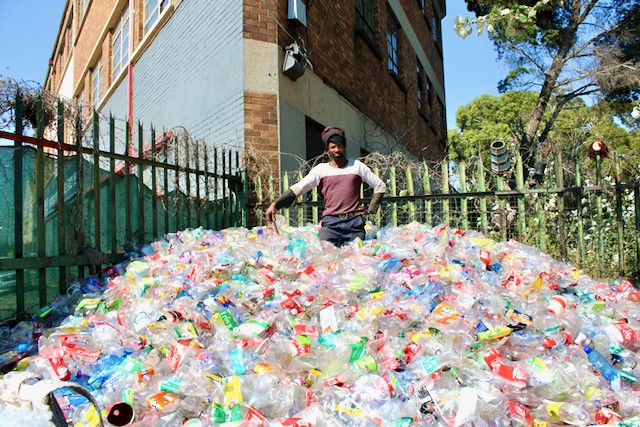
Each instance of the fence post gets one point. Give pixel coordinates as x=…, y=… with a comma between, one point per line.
x=62, y=241
x=165, y=181
x=483, y=200
x=112, y=186
x=245, y=198
x=426, y=186
x=96, y=181
x=141, y=218
x=40, y=226
x=562, y=235
x=300, y=208
x=522, y=223
x=636, y=203
x=619, y=215
x=377, y=215
x=127, y=183
x=600, y=225
x=314, y=209
x=445, y=190
x=410, y=191
x=462, y=167
x=502, y=208
x=393, y=191
x=285, y=186
x=578, y=181
x=18, y=207
x=154, y=186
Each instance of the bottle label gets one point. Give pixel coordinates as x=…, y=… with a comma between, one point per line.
x=553, y=409
x=171, y=385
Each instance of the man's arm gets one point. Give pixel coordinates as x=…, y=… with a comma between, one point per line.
x=378, y=185
x=287, y=198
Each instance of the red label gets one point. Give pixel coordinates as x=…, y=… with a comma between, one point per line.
x=493, y=357
x=520, y=412
x=254, y=417
x=311, y=331
x=485, y=256
x=61, y=370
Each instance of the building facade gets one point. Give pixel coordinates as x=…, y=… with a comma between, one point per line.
x=265, y=75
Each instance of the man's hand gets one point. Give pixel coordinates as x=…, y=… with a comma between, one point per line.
x=270, y=214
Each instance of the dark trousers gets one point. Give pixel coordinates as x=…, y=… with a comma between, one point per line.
x=341, y=231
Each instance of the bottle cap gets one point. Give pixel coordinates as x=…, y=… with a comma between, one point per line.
x=587, y=349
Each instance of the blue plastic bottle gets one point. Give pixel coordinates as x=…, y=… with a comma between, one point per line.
x=601, y=363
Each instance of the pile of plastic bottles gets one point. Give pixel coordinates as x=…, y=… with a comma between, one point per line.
x=419, y=326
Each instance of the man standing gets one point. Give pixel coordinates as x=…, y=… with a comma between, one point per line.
x=339, y=182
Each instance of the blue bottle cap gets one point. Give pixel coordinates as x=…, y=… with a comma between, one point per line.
x=587, y=349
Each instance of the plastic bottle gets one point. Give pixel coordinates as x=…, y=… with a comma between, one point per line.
x=569, y=412
x=601, y=364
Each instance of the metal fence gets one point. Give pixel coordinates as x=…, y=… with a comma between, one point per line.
x=585, y=211
x=70, y=208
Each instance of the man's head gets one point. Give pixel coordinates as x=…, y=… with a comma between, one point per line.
x=333, y=134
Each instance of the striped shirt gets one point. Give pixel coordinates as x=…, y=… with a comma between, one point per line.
x=340, y=187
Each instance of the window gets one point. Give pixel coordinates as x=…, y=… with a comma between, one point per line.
x=429, y=101
x=364, y=19
x=120, y=46
x=435, y=24
x=442, y=119
x=152, y=10
x=96, y=84
x=83, y=7
x=392, y=43
x=421, y=87
x=422, y=6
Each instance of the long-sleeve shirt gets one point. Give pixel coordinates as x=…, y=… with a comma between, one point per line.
x=340, y=187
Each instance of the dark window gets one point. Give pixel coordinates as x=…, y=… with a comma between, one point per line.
x=392, y=43
x=442, y=120
x=314, y=146
x=436, y=29
x=364, y=19
x=421, y=86
x=429, y=101
x=422, y=6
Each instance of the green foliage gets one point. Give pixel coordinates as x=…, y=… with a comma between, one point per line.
x=567, y=49
x=487, y=119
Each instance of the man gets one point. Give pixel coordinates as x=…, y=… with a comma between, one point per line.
x=339, y=182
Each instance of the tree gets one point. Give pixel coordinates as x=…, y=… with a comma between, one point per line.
x=489, y=118
x=560, y=48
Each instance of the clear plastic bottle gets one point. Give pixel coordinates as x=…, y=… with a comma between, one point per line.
x=569, y=412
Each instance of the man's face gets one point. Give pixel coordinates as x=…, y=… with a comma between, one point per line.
x=335, y=150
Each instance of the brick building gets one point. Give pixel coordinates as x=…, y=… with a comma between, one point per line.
x=268, y=74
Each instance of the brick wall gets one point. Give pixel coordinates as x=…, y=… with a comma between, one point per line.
x=358, y=71
x=261, y=129
x=261, y=108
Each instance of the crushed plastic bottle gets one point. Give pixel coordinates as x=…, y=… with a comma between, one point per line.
x=417, y=326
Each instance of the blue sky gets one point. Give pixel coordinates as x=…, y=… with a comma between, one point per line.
x=28, y=30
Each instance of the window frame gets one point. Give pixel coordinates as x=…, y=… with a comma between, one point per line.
x=121, y=43
x=97, y=83
x=150, y=19
x=83, y=6
x=421, y=86
x=365, y=22
x=393, y=56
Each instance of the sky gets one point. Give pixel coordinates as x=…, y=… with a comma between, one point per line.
x=28, y=30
